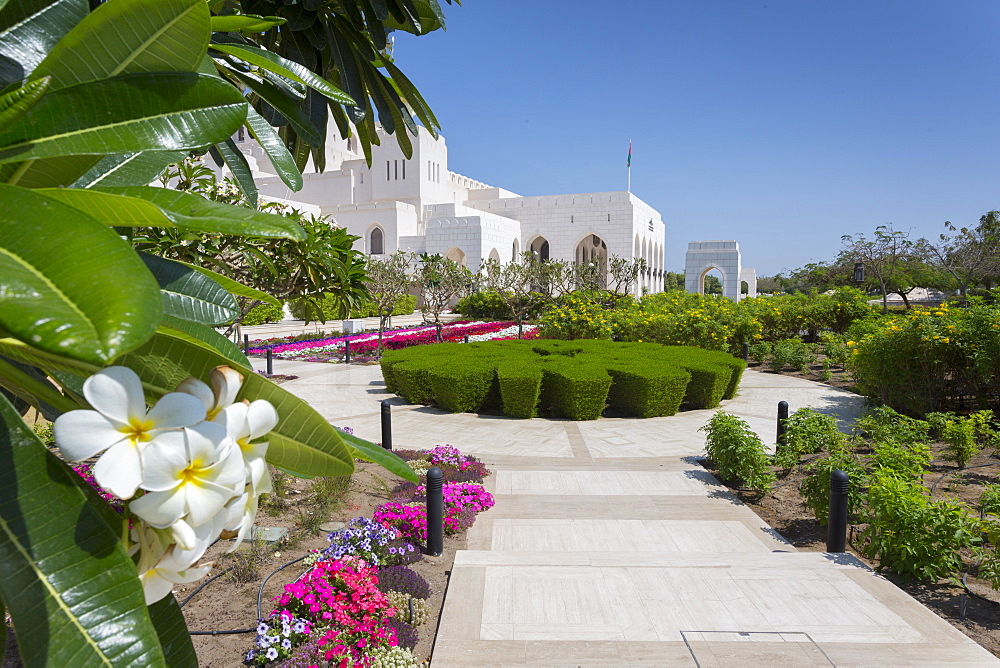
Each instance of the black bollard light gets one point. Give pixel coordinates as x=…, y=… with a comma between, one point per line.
x=270, y=363
x=386, y=426
x=746, y=351
x=347, y=352
x=465, y=339
x=246, y=343
x=836, y=523
x=520, y=328
x=438, y=328
x=435, y=513
x=782, y=416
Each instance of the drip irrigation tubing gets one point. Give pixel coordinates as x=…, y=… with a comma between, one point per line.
x=204, y=584
x=260, y=597
x=965, y=468
x=260, y=592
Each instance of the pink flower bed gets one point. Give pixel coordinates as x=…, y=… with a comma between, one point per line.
x=366, y=343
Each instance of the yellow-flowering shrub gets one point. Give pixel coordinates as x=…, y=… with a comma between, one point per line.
x=918, y=362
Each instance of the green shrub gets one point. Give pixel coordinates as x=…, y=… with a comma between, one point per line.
x=807, y=431
x=913, y=535
x=484, y=304
x=574, y=389
x=520, y=388
x=914, y=361
x=737, y=452
x=760, y=351
x=573, y=376
x=791, y=353
x=639, y=390
x=462, y=385
x=884, y=424
x=989, y=500
x=816, y=487
x=262, y=313
x=413, y=382
x=908, y=461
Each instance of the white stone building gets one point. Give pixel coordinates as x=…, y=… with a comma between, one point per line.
x=418, y=205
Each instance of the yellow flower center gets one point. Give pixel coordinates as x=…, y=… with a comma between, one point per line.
x=192, y=474
x=138, y=430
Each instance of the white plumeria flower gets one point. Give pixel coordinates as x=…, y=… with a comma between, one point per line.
x=226, y=384
x=121, y=427
x=244, y=423
x=163, y=565
x=191, y=475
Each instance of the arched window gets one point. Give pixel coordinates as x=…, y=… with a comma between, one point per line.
x=376, y=245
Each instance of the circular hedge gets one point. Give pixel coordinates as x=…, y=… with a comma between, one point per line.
x=572, y=379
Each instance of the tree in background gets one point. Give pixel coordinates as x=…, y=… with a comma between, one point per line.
x=713, y=286
x=969, y=256
x=673, y=281
x=387, y=280
x=439, y=280
x=623, y=274
x=884, y=256
x=513, y=283
x=323, y=263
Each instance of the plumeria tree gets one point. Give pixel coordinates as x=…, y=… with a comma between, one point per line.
x=116, y=344
x=439, y=280
x=514, y=282
x=388, y=279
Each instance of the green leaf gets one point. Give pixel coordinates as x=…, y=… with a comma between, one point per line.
x=384, y=458
x=17, y=102
x=128, y=169
x=245, y=23
x=206, y=338
x=71, y=589
x=31, y=29
x=130, y=37
x=287, y=107
x=276, y=150
x=89, y=297
x=197, y=213
x=190, y=295
x=235, y=287
x=134, y=112
x=145, y=206
x=303, y=443
x=289, y=69
x=173, y=633
x=240, y=168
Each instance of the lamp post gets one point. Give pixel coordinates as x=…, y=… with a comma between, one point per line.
x=859, y=273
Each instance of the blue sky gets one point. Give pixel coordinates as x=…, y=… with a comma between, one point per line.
x=781, y=124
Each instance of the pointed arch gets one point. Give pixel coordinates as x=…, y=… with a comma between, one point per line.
x=376, y=241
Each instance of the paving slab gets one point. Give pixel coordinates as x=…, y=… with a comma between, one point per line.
x=610, y=546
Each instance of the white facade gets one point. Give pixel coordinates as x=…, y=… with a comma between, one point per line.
x=724, y=256
x=418, y=205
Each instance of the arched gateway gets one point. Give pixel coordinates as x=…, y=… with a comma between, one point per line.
x=704, y=256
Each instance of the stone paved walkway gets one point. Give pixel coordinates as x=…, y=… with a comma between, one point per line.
x=610, y=546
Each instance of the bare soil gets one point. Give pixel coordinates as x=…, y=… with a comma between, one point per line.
x=784, y=509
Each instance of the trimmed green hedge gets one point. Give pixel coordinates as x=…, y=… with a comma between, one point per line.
x=572, y=379
x=262, y=313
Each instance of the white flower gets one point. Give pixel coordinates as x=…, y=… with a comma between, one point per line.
x=226, y=383
x=189, y=474
x=163, y=565
x=244, y=423
x=121, y=426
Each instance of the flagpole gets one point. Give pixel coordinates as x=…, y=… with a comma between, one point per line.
x=628, y=188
